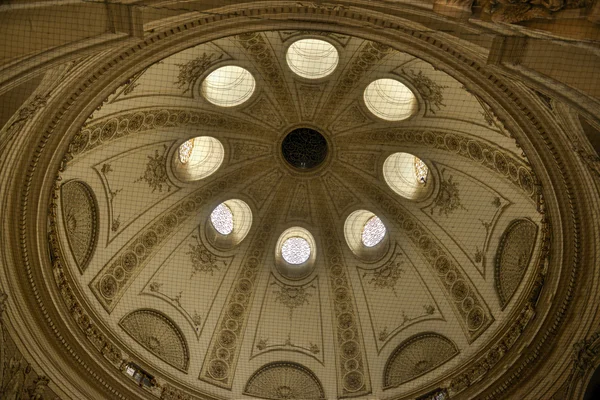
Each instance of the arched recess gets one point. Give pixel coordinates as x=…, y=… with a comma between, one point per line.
x=513, y=256
x=417, y=356
x=284, y=380
x=159, y=335
x=80, y=218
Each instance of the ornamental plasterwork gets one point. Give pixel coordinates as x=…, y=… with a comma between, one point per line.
x=191, y=71
x=261, y=52
x=429, y=90
x=448, y=198
x=191, y=269
x=367, y=162
x=21, y=117
x=259, y=190
x=159, y=335
x=18, y=379
x=352, y=369
x=338, y=37
x=509, y=166
x=310, y=96
x=353, y=117
x=243, y=150
x=341, y=197
x=222, y=355
x=80, y=218
x=95, y=133
x=202, y=260
x=471, y=310
x=300, y=206
x=156, y=172
x=396, y=282
x=263, y=110
x=284, y=380
x=513, y=257
x=111, y=282
x=416, y=356
x=366, y=59
x=115, y=222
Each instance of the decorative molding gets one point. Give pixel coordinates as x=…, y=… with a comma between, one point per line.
x=156, y=172
x=98, y=132
x=223, y=352
x=416, y=356
x=353, y=372
x=18, y=380
x=284, y=380
x=341, y=196
x=471, y=310
x=159, y=335
x=258, y=48
x=115, y=277
x=516, y=170
x=193, y=70
x=513, y=257
x=429, y=90
x=448, y=197
x=80, y=219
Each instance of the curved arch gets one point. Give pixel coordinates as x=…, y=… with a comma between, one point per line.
x=416, y=356
x=159, y=335
x=284, y=380
x=80, y=218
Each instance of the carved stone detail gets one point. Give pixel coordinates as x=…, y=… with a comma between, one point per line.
x=510, y=13
x=417, y=356
x=103, y=131
x=80, y=218
x=111, y=282
x=284, y=380
x=159, y=335
x=513, y=257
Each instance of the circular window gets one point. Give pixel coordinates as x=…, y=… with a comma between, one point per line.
x=198, y=158
x=407, y=175
x=228, y=86
x=222, y=219
x=390, y=99
x=295, y=250
x=366, y=235
x=304, y=148
x=312, y=58
x=373, y=232
x=229, y=224
x=295, y=253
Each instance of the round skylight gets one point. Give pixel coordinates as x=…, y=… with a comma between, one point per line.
x=312, y=58
x=198, y=158
x=228, y=86
x=390, y=99
x=373, y=232
x=222, y=219
x=407, y=175
x=295, y=250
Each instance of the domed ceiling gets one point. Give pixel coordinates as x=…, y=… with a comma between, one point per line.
x=297, y=214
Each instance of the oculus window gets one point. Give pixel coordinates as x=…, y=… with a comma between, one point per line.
x=390, y=99
x=228, y=86
x=312, y=58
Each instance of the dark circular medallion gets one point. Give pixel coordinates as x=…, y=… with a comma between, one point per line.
x=304, y=148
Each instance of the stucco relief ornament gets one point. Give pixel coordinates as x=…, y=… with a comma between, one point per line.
x=387, y=276
x=292, y=297
x=203, y=260
x=431, y=92
x=192, y=71
x=448, y=198
x=156, y=172
x=514, y=11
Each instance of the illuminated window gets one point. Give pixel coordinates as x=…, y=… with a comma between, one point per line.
x=407, y=175
x=389, y=99
x=228, y=86
x=373, y=232
x=185, y=151
x=421, y=170
x=198, y=158
x=222, y=219
x=295, y=250
x=312, y=58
